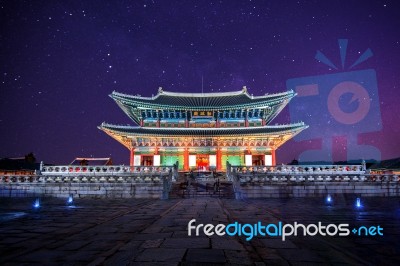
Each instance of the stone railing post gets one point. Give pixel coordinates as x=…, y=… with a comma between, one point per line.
x=166, y=185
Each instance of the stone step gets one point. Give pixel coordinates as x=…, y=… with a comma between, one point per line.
x=180, y=190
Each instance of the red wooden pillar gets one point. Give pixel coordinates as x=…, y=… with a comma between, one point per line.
x=219, y=159
x=156, y=150
x=132, y=157
x=186, y=159
x=273, y=157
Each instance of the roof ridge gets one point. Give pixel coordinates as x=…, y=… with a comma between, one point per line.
x=201, y=94
x=161, y=92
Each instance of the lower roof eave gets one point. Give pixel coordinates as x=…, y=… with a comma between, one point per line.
x=291, y=129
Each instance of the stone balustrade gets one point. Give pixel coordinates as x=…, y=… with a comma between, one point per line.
x=316, y=181
x=298, y=169
x=107, y=185
x=260, y=178
x=304, y=173
x=151, y=177
x=102, y=170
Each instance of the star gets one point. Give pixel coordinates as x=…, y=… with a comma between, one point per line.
x=62, y=52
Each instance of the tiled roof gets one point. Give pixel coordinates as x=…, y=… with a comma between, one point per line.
x=175, y=100
x=209, y=132
x=91, y=161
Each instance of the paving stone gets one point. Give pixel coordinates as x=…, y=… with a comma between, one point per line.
x=161, y=254
x=226, y=243
x=44, y=256
x=147, y=236
x=97, y=261
x=173, y=228
x=300, y=255
x=205, y=255
x=99, y=245
x=14, y=240
x=152, y=243
x=81, y=256
x=277, y=243
x=130, y=231
x=194, y=242
x=164, y=263
x=238, y=257
x=74, y=245
x=122, y=257
x=277, y=261
x=180, y=234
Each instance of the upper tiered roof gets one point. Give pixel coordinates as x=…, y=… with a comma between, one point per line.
x=202, y=101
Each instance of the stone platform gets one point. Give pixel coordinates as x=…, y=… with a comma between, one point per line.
x=154, y=232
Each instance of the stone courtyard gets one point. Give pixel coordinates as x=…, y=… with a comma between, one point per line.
x=154, y=232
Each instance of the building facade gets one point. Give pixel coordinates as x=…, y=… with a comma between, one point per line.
x=202, y=130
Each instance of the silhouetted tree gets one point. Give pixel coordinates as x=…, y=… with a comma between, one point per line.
x=30, y=158
x=84, y=162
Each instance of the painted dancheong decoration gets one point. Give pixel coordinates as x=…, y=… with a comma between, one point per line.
x=203, y=131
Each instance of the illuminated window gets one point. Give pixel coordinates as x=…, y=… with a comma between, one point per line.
x=156, y=160
x=248, y=160
x=192, y=160
x=268, y=160
x=213, y=160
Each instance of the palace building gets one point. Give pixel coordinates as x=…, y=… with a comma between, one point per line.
x=202, y=130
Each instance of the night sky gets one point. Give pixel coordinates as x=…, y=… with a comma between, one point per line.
x=61, y=59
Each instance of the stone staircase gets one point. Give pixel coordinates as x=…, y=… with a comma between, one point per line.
x=201, y=188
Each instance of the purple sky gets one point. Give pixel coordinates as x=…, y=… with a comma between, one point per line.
x=61, y=59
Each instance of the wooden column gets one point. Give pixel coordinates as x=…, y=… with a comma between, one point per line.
x=132, y=157
x=273, y=157
x=219, y=159
x=186, y=159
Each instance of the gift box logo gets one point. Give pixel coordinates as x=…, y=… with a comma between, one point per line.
x=344, y=104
